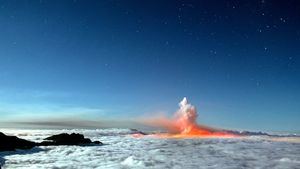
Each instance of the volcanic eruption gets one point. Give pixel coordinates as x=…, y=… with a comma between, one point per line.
x=184, y=124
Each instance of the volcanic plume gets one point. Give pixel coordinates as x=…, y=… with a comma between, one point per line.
x=184, y=124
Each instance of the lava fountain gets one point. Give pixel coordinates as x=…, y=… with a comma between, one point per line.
x=184, y=125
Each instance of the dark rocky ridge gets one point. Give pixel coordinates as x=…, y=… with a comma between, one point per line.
x=67, y=139
x=11, y=143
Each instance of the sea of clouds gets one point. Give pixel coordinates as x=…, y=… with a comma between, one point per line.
x=122, y=150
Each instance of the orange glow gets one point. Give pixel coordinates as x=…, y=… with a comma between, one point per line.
x=178, y=128
x=184, y=125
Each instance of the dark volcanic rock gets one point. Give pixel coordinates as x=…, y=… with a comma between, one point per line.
x=67, y=139
x=97, y=142
x=135, y=131
x=11, y=143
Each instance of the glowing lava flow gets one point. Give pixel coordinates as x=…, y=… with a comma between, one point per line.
x=184, y=125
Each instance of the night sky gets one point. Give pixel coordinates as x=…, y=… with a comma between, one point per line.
x=238, y=62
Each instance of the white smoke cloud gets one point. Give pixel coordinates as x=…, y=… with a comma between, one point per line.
x=186, y=116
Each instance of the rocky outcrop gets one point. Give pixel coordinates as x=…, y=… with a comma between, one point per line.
x=11, y=143
x=67, y=139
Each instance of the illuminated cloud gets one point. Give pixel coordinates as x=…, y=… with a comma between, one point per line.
x=184, y=123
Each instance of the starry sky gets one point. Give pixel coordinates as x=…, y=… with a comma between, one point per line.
x=238, y=62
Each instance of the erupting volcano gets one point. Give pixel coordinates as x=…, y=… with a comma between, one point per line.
x=184, y=125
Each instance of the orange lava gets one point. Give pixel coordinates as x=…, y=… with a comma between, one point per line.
x=197, y=134
x=194, y=131
x=183, y=125
x=180, y=128
x=215, y=135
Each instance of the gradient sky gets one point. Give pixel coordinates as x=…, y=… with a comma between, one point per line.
x=238, y=62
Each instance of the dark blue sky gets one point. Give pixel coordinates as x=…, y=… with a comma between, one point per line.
x=237, y=61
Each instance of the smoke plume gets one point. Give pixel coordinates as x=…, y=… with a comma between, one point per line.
x=184, y=123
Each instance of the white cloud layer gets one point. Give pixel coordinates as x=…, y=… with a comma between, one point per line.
x=124, y=151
